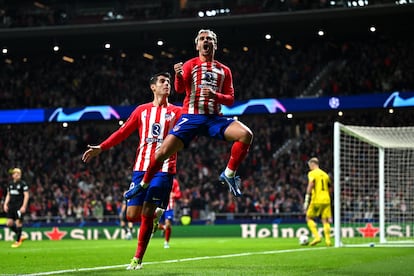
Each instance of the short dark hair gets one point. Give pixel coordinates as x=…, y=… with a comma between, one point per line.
x=154, y=77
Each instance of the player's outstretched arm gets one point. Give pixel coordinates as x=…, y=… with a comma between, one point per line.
x=91, y=152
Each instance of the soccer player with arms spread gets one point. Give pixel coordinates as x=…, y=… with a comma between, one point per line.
x=153, y=121
x=318, y=192
x=207, y=84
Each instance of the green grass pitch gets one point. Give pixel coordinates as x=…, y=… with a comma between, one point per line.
x=202, y=256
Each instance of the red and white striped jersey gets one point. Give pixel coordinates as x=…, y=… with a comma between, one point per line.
x=198, y=74
x=153, y=124
x=174, y=195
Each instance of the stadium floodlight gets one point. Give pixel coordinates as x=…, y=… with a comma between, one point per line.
x=404, y=2
x=211, y=13
x=373, y=185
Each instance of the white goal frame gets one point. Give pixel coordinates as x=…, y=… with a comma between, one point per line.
x=383, y=139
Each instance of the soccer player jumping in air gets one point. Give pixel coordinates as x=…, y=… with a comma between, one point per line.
x=152, y=121
x=207, y=84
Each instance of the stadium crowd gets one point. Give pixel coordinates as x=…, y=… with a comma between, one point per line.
x=64, y=189
x=369, y=66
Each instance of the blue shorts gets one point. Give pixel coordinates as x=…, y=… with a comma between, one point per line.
x=169, y=214
x=158, y=191
x=190, y=125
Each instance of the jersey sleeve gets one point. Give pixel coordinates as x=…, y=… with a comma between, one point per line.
x=25, y=187
x=178, y=111
x=131, y=124
x=311, y=177
x=180, y=80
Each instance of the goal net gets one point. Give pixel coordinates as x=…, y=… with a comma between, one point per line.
x=373, y=185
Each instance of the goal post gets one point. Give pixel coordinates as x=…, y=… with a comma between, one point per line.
x=373, y=185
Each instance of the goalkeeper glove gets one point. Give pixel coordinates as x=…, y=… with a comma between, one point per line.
x=306, y=203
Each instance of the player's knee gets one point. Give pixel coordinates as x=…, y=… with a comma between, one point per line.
x=247, y=136
x=241, y=132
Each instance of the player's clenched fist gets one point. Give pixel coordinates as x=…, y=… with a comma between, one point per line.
x=178, y=68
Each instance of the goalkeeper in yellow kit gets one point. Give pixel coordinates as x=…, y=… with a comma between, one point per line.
x=318, y=202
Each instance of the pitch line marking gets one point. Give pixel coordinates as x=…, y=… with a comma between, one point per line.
x=176, y=261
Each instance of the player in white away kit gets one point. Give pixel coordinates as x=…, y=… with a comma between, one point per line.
x=153, y=121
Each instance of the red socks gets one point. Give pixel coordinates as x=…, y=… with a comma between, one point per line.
x=167, y=234
x=239, y=151
x=144, y=236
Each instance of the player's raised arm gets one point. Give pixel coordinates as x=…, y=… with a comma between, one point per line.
x=179, y=85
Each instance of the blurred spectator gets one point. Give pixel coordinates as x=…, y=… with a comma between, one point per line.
x=273, y=186
x=64, y=188
x=365, y=66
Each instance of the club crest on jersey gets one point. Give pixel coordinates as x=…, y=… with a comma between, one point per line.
x=168, y=117
x=156, y=129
